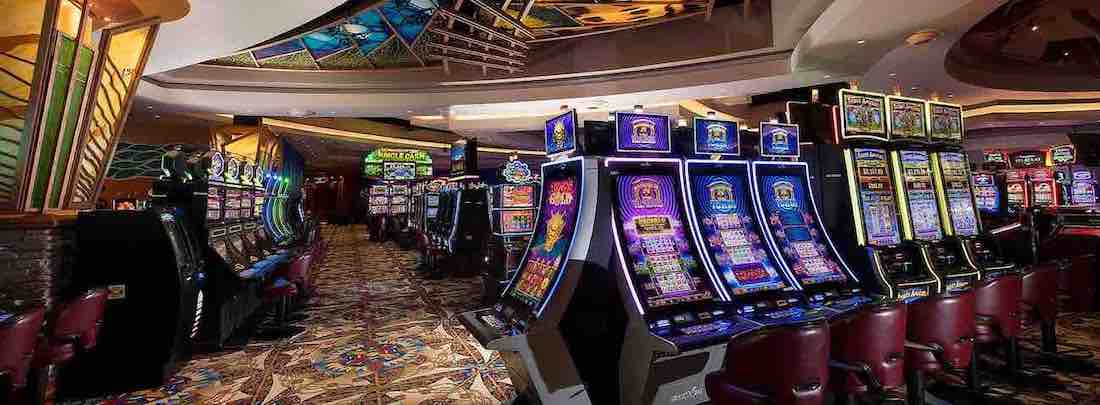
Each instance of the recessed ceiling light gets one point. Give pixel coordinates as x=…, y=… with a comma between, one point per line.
x=1066, y=53
x=828, y=76
x=862, y=41
x=148, y=107
x=1035, y=27
x=950, y=95
x=893, y=75
x=157, y=116
x=914, y=88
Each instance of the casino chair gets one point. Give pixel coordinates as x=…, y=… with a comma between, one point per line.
x=1039, y=307
x=867, y=353
x=1080, y=282
x=997, y=307
x=940, y=337
x=788, y=365
x=18, y=337
x=280, y=294
x=75, y=328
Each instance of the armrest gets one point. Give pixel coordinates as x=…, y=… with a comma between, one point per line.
x=861, y=369
x=717, y=387
x=931, y=347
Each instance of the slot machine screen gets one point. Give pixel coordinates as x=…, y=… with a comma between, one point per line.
x=517, y=196
x=731, y=234
x=876, y=197
x=956, y=188
x=379, y=209
x=379, y=200
x=379, y=190
x=946, y=122
x=795, y=227
x=553, y=236
x=399, y=189
x=1015, y=189
x=659, y=256
x=399, y=200
x=232, y=198
x=258, y=205
x=906, y=119
x=924, y=212
x=986, y=193
x=1083, y=189
x=432, y=212
x=517, y=221
x=214, y=203
x=231, y=213
x=432, y=199
x=1042, y=186
x=399, y=171
x=398, y=209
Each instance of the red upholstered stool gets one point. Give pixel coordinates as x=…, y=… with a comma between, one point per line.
x=871, y=347
x=1080, y=282
x=941, y=332
x=783, y=366
x=1039, y=302
x=299, y=274
x=79, y=320
x=997, y=304
x=18, y=337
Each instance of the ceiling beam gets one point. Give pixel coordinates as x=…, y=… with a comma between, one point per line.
x=505, y=59
x=451, y=33
x=483, y=65
x=520, y=28
x=492, y=32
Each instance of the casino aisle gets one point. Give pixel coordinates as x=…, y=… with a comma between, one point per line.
x=376, y=333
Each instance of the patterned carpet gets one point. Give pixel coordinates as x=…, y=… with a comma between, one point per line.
x=377, y=333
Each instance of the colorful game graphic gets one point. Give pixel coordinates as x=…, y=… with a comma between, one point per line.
x=956, y=184
x=1015, y=188
x=561, y=133
x=458, y=157
x=796, y=231
x=863, y=114
x=517, y=221
x=399, y=171
x=658, y=254
x=1083, y=190
x=1042, y=185
x=778, y=140
x=876, y=197
x=916, y=167
x=636, y=132
x=907, y=119
x=517, y=196
x=732, y=236
x=551, y=240
x=946, y=122
x=716, y=137
x=986, y=194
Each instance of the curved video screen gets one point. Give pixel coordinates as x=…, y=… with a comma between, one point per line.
x=924, y=211
x=876, y=197
x=553, y=235
x=799, y=235
x=658, y=254
x=956, y=188
x=731, y=234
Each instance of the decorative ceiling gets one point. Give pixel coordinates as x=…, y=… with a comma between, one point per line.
x=1043, y=45
x=487, y=34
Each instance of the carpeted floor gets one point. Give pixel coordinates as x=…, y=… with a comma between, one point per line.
x=378, y=333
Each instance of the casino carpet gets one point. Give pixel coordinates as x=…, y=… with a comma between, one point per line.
x=378, y=333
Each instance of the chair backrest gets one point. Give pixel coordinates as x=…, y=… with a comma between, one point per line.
x=299, y=268
x=17, y=340
x=79, y=318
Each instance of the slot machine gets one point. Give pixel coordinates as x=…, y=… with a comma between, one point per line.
x=1042, y=187
x=987, y=195
x=152, y=266
x=512, y=218
x=555, y=352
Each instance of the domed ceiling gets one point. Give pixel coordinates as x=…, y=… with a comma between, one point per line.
x=1041, y=45
x=496, y=35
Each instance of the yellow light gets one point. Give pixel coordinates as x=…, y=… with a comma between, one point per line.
x=856, y=215
x=1031, y=108
x=902, y=199
x=945, y=216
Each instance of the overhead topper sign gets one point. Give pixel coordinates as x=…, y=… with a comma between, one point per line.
x=1063, y=155
x=399, y=155
x=1027, y=159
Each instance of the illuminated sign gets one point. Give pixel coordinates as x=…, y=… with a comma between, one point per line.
x=1027, y=159
x=716, y=137
x=778, y=140
x=862, y=115
x=561, y=133
x=1063, y=155
x=637, y=132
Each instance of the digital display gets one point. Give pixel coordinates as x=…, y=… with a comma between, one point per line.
x=986, y=194
x=231, y=213
x=517, y=221
x=946, y=122
x=258, y=205
x=232, y=198
x=956, y=188
x=1026, y=159
x=379, y=209
x=658, y=255
x=876, y=197
x=464, y=156
x=432, y=199
x=398, y=171
x=906, y=119
x=399, y=189
x=924, y=212
x=399, y=199
x=778, y=140
x=379, y=200
x=379, y=190
x=552, y=238
x=517, y=196
x=863, y=115
x=431, y=212
x=637, y=132
x=1063, y=155
x=732, y=236
x=214, y=203
x=561, y=133
x=1083, y=189
x=796, y=230
x=398, y=209
x=716, y=137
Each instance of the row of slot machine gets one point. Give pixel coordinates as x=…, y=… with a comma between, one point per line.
x=647, y=256
x=1011, y=182
x=512, y=212
x=186, y=271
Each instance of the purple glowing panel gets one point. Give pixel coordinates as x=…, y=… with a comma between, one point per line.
x=664, y=269
x=637, y=132
x=787, y=209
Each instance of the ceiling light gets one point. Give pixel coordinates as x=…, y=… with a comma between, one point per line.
x=354, y=28
x=148, y=107
x=157, y=116
x=950, y=95
x=638, y=108
x=893, y=75
x=682, y=122
x=922, y=37
x=862, y=41
x=914, y=88
x=1066, y=53
x=1035, y=27
x=828, y=76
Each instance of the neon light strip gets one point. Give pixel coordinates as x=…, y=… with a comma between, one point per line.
x=902, y=198
x=853, y=196
x=1006, y=228
x=340, y=133
x=941, y=196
